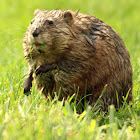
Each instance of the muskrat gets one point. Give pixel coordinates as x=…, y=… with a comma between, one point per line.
x=78, y=53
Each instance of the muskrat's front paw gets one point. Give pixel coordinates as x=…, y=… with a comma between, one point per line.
x=44, y=68
x=27, y=91
x=27, y=86
x=39, y=70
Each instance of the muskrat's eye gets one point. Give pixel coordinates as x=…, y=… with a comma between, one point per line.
x=50, y=22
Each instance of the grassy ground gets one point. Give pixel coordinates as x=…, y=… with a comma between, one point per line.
x=34, y=117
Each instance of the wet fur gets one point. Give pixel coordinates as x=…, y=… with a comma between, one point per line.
x=87, y=54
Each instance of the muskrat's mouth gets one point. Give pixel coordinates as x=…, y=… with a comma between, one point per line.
x=39, y=45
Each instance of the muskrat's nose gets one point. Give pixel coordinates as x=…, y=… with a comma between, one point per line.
x=35, y=33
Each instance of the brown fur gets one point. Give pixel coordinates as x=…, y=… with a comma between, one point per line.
x=85, y=53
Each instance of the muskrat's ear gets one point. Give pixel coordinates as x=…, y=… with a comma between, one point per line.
x=68, y=16
x=36, y=12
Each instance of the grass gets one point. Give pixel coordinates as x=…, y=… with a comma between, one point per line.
x=33, y=117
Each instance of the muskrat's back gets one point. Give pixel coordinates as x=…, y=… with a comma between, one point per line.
x=78, y=53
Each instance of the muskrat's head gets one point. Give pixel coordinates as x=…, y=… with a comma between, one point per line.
x=49, y=32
